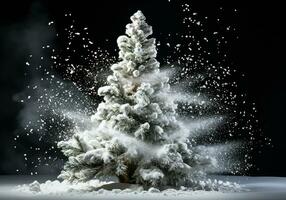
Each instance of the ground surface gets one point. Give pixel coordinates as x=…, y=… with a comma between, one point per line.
x=268, y=188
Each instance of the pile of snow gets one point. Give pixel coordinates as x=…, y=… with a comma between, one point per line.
x=102, y=188
x=58, y=187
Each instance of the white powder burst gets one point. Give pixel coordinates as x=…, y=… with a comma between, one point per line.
x=197, y=91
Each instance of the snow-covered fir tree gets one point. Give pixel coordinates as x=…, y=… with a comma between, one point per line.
x=136, y=134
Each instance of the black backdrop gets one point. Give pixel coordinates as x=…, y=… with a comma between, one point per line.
x=259, y=54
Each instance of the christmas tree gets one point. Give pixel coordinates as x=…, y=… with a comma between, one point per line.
x=136, y=133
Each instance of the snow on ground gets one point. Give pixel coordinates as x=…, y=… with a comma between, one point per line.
x=24, y=187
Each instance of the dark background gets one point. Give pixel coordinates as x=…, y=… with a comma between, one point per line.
x=259, y=53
